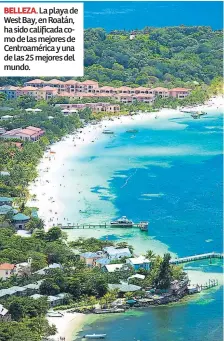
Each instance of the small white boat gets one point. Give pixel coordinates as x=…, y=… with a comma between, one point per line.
x=54, y=314
x=95, y=336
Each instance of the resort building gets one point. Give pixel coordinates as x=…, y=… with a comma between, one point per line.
x=90, y=258
x=28, y=134
x=179, y=92
x=21, y=291
x=49, y=267
x=37, y=83
x=96, y=107
x=5, y=209
x=113, y=253
x=53, y=300
x=4, y=314
x=6, y=270
x=10, y=91
x=20, y=220
x=5, y=201
x=112, y=267
x=161, y=92
x=40, y=89
x=139, y=262
x=124, y=287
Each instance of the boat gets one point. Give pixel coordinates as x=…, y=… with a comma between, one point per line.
x=95, y=336
x=133, y=131
x=54, y=314
x=143, y=225
x=122, y=222
x=195, y=116
x=108, y=132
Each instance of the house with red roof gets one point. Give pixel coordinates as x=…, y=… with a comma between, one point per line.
x=87, y=86
x=28, y=134
x=6, y=270
x=145, y=98
x=107, y=90
x=179, y=92
x=123, y=90
x=160, y=91
x=37, y=83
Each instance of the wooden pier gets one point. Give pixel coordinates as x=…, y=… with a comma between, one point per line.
x=196, y=257
x=73, y=226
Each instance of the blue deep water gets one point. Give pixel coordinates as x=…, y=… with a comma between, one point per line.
x=183, y=199
x=138, y=14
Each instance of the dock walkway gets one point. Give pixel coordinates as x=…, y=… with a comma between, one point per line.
x=196, y=257
x=92, y=226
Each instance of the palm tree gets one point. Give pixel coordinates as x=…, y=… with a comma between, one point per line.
x=150, y=255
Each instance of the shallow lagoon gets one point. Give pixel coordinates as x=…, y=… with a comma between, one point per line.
x=169, y=173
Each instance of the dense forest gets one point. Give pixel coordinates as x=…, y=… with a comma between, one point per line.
x=169, y=55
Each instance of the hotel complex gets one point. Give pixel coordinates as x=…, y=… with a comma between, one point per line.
x=45, y=90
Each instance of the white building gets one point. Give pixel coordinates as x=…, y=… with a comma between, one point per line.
x=114, y=253
x=139, y=262
x=6, y=270
x=4, y=314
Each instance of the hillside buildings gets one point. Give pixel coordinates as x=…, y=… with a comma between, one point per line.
x=28, y=134
x=45, y=90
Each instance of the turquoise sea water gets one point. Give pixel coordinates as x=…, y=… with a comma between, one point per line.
x=169, y=173
x=138, y=14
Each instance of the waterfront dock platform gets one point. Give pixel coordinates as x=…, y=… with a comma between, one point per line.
x=196, y=257
x=105, y=225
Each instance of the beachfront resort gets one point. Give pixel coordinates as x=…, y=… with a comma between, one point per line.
x=90, y=89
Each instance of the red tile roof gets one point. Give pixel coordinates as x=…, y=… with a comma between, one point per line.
x=71, y=82
x=83, y=94
x=36, y=81
x=179, y=89
x=28, y=132
x=88, y=82
x=124, y=88
x=141, y=88
x=7, y=266
x=144, y=96
x=28, y=88
x=48, y=88
x=66, y=94
x=107, y=88
x=160, y=89
x=55, y=81
x=34, y=128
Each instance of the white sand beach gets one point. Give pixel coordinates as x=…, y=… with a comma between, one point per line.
x=53, y=168
x=67, y=325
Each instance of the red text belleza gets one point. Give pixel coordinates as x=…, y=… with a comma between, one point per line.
x=20, y=10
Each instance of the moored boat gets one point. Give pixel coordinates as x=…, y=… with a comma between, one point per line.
x=122, y=222
x=133, y=131
x=95, y=336
x=143, y=225
x=108, y=132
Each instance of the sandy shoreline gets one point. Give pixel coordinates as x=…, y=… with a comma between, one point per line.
x=67, y=325
x=46, y=189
